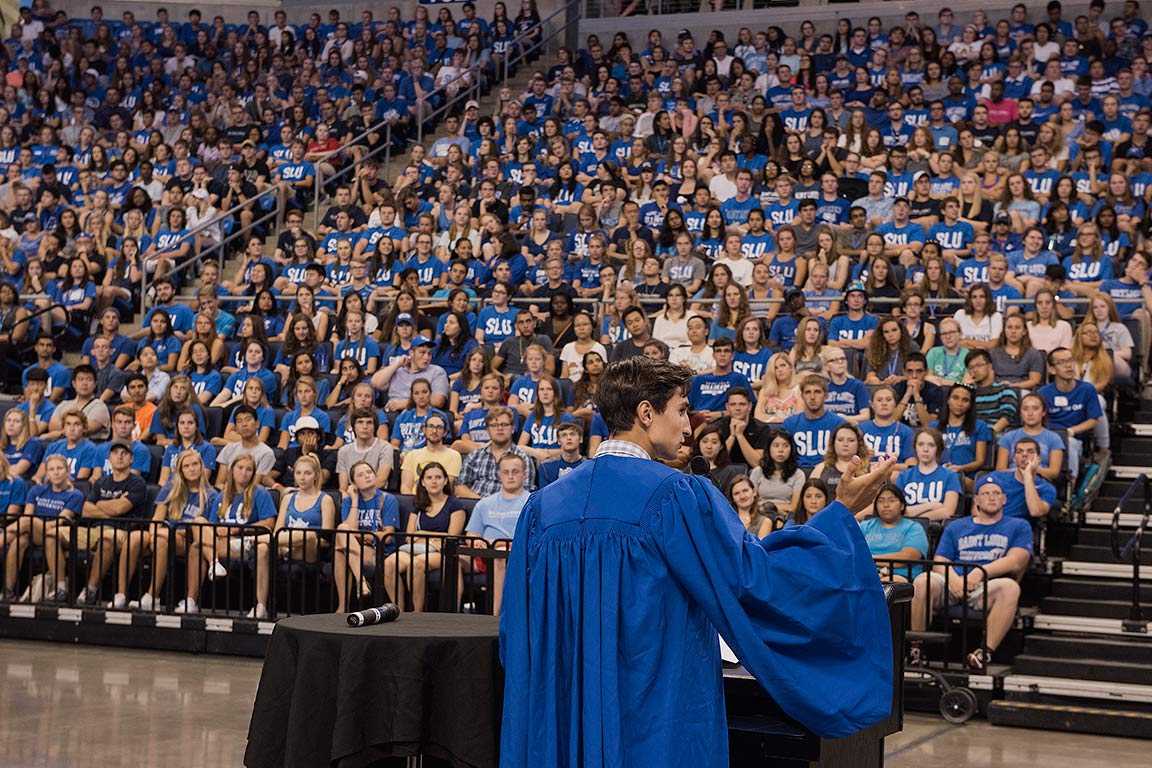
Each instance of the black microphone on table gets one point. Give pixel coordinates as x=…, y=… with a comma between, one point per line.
x=382, y=615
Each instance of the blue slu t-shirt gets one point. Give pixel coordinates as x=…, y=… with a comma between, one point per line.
x=810, y=437
x=262, y=509
x=896, y=438
x=931, y=488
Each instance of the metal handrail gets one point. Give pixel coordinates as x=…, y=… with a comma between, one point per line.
x=384, y=125
x=1135, y=621
x=216, y=221
x=524, y=51
x=476, y=69
x=33, y=314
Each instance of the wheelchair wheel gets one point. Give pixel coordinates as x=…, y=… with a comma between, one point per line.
x=958, y=705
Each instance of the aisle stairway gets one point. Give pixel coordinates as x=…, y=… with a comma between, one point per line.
x=1084, y=666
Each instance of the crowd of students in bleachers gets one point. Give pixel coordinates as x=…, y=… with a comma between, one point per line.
x=926, y=241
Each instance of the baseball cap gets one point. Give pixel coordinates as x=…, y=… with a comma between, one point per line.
x=901, y=199
x=422, y=341
x=1002, y=218
x=404, y=317
x=920, y=175
x=647, y=168
x=856, y=287
x=792, y=292
x=989, y=480
x=307, y=422
x=472, y=104
x=124, y=443
x=247, y=143
x=200, y=194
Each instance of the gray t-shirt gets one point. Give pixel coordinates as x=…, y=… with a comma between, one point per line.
x=400, y=387
x=263, y=456
x=684, y=271
x=774, y=489
x=380, y=452
x=1009, y=369
x=513, y=348
x=96, y=411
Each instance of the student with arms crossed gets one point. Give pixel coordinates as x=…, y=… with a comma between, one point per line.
x=495, y=516
x=118, y=499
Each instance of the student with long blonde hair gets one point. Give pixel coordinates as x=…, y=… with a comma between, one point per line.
x=779, y=397
x=243, y=503
x=47, y=507
x=188, y=499
x=304, y=510
x=20, y=449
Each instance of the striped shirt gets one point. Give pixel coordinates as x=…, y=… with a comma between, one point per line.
x=997, y=401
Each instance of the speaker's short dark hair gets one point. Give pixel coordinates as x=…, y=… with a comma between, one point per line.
x=627, y=383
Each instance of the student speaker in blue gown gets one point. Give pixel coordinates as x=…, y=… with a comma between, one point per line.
x=623, y=571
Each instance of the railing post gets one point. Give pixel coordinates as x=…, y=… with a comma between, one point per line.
x=1135, y=622
x=450, y=575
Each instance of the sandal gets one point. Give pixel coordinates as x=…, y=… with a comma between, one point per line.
x=979, y=659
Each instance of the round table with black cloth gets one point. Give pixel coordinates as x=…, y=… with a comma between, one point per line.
x=331, y=695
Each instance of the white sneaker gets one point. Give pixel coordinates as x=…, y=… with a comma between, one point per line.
x=217, y=571
x=187, y=606
x=258, y=612
x=119, y=601
x=146, y=602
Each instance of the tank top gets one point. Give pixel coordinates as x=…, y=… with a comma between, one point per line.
x=305, y=518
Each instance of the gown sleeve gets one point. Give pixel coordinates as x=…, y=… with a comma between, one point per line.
x=803, y=609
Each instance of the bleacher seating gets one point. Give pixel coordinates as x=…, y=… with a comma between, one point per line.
x=642, y=158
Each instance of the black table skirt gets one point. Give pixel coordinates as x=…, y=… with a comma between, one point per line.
x=331, y=695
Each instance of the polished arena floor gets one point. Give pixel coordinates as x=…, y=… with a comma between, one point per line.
x=64, y=706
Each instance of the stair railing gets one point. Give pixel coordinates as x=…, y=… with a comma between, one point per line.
x=554, y=26
x=1135, y=621
x=270, y=217
x=467, y=84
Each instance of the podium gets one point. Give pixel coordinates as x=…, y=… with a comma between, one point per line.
x=760, y=734
x=431, y=685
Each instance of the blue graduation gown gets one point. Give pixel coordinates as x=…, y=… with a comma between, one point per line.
x=620, y=576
